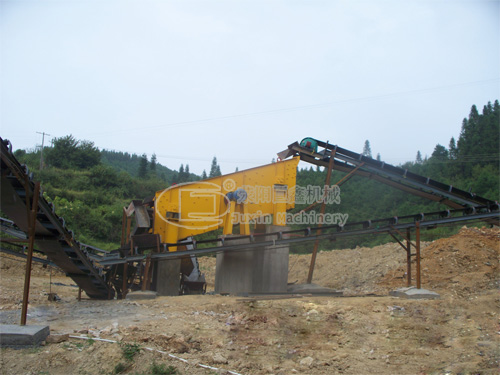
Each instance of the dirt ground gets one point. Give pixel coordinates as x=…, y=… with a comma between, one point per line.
x=365, y=332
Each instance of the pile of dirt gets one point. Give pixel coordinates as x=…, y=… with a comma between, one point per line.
x=464, y=264
x=353, y=271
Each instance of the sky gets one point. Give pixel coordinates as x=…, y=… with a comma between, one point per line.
x=241, y=80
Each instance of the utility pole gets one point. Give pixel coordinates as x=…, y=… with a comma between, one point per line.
x=41, y=151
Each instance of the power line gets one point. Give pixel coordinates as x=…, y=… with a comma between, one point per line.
x=247, y=161
x=306, y=107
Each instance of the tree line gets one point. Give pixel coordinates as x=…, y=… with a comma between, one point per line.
x=90, y=186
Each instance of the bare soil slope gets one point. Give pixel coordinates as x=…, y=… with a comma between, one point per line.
x=358, y=334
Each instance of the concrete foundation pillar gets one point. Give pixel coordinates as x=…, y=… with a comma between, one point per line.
x=261, y=270
x=167, y=277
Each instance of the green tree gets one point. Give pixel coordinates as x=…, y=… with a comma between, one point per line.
x=214, y=169
x=143, y=166
x=63, y=152
x=479, y=138
x=204, y=175
x=88, y=155
x=152, y=163
x=440, y=153
x=182, y=174
x=469, y=134
x=67, y=152
x=367, y=151
x=418, y=158
x=452, y=149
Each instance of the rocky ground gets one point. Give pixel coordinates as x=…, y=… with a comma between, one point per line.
x=364, y=332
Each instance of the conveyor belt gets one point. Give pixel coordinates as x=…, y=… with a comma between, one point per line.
x=24, y=256
x=51, y=235
x=400, y=178
x=329, y=232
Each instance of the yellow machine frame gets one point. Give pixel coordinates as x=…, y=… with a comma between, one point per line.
x=188, y=209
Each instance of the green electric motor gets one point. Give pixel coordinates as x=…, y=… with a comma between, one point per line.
x=309, y=143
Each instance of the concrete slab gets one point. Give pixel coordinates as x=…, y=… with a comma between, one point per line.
x=313, y=289
x=414, y=293
x=147, y=294
x=15, y=336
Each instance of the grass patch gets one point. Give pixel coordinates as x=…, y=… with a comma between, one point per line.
x=130, y=350
x=120, y=368
x=34, y=349
x=80, y=345
x=160, y=369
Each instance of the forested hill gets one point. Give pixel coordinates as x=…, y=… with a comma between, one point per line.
x=137, y=166
x=90, y=187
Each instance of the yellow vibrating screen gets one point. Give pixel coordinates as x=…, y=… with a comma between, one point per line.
x=193, y=208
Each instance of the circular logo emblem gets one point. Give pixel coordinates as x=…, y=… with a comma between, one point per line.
x=229, y=184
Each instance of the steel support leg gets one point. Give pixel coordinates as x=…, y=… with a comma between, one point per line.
x=417, y=226
x=322, y=210
x=124, y=286
x=31, y=244
x=408, y=257
x=145, y=276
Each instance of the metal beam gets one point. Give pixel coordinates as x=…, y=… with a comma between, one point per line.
x=286, y=241
x=29, y=259
x=417, y=240
x=408, y=257
x=322, y=211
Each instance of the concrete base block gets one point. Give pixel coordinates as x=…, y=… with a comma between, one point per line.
x=414, y=293
x=14, y=336
x=168, y=277
x=313, y=289
x=262, y=270
x=148, y=294
x=233, y=273
x=258, y=271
